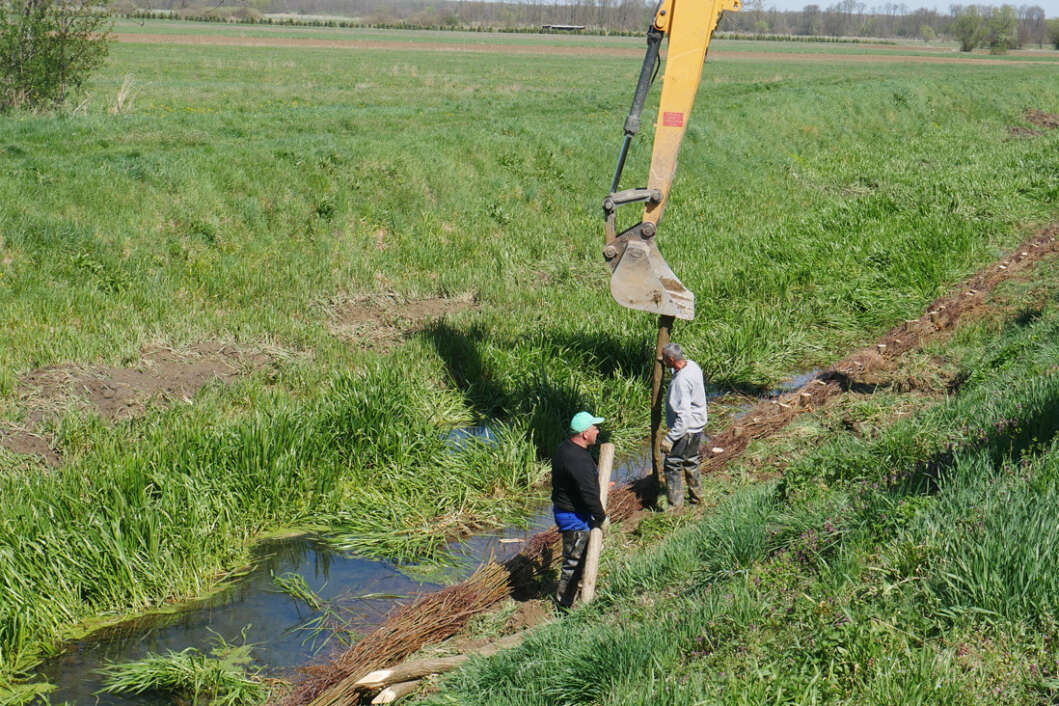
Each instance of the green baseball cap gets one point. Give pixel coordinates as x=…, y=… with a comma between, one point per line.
x=582, y=421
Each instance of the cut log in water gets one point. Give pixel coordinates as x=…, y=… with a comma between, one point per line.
x=595, y=537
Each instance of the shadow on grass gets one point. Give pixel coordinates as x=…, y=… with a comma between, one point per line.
x=542, y=401
x=1006, y=439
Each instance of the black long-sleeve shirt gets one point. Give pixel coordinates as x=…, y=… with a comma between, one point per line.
x=575, y=481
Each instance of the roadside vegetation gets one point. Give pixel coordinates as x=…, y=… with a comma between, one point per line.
x=905, y=562
x=303, y=201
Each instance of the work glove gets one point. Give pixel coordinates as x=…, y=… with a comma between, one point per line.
x=667, y=445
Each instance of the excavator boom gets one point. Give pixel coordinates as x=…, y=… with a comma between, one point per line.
x=640, y=277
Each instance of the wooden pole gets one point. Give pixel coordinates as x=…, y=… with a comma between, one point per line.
x=410, y=671
x=396, y=691
x=665, y=325
x=595, y=537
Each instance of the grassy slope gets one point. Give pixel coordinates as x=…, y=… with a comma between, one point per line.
x=910, y=563
x=816, y=204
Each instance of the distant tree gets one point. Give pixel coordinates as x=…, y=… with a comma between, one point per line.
x=967, y=28
x=927, y=33
x=1000, y=30
x=1031, y=25
x=1053, y=32
x=872, y=27
x=811, y=20
x=48, y=48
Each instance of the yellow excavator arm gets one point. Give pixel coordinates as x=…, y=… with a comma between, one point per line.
x=640, y=278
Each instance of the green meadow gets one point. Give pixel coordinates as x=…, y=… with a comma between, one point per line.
x=246, y=195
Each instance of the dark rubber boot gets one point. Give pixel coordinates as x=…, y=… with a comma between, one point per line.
x=574, y=544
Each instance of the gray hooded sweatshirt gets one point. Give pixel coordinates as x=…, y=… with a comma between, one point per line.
x=686, y=402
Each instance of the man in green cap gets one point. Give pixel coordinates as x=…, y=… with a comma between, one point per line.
x=575, y=500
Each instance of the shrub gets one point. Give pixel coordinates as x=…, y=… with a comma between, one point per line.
x=1053, y=32
x=967, y=28
x=47, y=49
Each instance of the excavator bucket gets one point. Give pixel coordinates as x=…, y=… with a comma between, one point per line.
x=641, y=279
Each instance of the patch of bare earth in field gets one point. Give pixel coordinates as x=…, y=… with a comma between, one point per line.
x=1047, y=121
x=371, y=44
x=381, y=321
x=1039, y=118
x=438, y=616
x=161, y=375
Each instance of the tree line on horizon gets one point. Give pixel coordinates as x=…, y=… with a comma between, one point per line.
x=48, y=47
x=998, y=28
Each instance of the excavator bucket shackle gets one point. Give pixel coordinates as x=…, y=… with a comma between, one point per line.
x=640, y=277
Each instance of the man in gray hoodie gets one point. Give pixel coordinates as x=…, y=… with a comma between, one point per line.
x=686, y=418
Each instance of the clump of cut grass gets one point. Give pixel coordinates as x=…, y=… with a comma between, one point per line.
x=294, y=585
x=219, y=678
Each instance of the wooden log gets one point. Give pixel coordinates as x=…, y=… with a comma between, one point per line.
x=665, y=325
x=595, y=537
x=406, y=671
x=409, y=670
x=396, y=691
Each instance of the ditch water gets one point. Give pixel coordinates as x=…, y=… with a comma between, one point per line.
x=280, y=627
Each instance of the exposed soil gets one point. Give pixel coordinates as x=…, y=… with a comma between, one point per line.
x=379, y=322
x=440, y=615
x=369, y=44
x=892, y=55
x=28, y=443
x=162, y=375
x=1041, y=119
x=1024, y=132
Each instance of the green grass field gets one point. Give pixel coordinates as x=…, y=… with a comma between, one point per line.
x=248, y=192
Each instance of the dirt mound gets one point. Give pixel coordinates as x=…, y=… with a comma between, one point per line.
x=1041, y=119
x=161, y=374
x=381, y=321
x=1023, y=132
x=29, y=444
